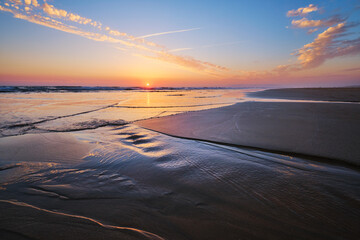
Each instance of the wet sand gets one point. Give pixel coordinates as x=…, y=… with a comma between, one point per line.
x=319, y=129
x=139, y=184
x=44, y=147
x=351, y=94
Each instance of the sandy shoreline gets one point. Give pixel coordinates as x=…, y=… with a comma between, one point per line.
x=318, y=129
x=319, y=94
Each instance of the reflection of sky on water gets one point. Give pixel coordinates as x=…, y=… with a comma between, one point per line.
x=68, y=111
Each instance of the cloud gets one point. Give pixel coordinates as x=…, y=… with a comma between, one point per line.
x=206, y=46
x=169, y=32
x=33, y=2
x=51, y=10
x=327, y=46
x=5, y=9
x=312, y=30
x=51, y=23
x=187, y=62
x=122, y=49
x=303, y=11
x=19, y=2
x=60, y=13
x=180, y=49
x=351, y=69
x=305, y=23
x=52, y=17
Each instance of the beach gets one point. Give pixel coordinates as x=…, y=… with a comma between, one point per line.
x=180, y=164
x=345, y=94
x=314, y=129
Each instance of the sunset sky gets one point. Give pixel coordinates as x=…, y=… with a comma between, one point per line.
x=180, y=43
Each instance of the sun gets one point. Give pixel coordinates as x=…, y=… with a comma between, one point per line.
x=147, y=84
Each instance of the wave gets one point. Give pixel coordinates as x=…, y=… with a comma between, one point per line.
x=215, y=96
x=16, y=125
x=10, y=89
x=62, y=88
x=85, y=125
x=174, y=106
x=20, y=128
x=78, y=126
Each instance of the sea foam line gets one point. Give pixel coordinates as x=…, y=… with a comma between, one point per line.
x=144, y=233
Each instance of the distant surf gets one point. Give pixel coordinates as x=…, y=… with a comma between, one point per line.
x=5, y=89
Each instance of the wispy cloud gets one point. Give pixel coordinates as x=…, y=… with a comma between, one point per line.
x=189, y=62
x=48, y=15
x=306, y=23
x=206, y=46
x=312, y=30
x=180, y=49
x=32, y=2
x=303, y=11
x=351, y=69
x=169, y=32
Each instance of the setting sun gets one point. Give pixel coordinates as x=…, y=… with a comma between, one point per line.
x=147, y=84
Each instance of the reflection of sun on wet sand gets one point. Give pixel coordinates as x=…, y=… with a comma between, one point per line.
x=330, y=130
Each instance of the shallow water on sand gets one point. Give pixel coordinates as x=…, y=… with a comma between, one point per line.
x=132, y=183
x=67, y=111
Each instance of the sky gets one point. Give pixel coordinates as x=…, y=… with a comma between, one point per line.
x=180, y=43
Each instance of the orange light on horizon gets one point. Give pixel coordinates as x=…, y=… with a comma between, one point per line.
x=148, y=84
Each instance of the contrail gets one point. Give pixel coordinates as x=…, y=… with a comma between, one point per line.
x=179, y=49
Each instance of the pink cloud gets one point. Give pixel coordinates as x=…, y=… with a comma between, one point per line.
x=302, y=11
x=306, y=23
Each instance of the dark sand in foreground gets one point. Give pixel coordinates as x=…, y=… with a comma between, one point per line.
x=139, y=184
